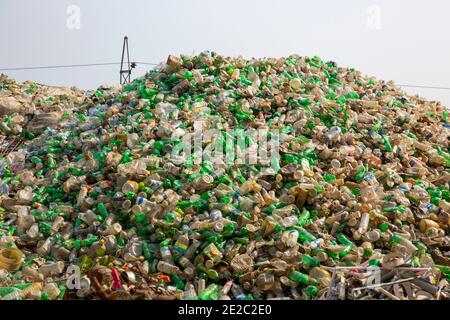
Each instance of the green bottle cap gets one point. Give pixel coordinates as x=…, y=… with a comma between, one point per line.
x=384, y=226
x=311, y=291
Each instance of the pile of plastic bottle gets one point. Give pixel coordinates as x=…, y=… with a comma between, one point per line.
x=363, y=174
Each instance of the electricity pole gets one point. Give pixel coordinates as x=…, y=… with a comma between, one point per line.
x=125, y=71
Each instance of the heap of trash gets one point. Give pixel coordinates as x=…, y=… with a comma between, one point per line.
x=98, y=201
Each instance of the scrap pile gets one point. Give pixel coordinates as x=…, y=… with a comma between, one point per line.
x=360, y=188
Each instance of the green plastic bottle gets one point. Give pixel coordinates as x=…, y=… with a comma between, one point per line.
x=400, y=208
x=177, y=281
x=210, y=293
x=148, y=255
x=302, y=278
x=360, y=174
x=211, y=273
x=81, y=243
x=387, y=143
x=51, y=163
x=303, y=235
x=303, y=218
x=309, y=261
x=329, y=177
x=444, y=269
x=228, y=230
x=102, y=210
x=76, y=171
x=344, y=241
x=127, y=156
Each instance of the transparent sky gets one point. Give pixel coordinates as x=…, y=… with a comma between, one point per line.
x=406, y=42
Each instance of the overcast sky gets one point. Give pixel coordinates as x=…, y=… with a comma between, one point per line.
x=401, y=40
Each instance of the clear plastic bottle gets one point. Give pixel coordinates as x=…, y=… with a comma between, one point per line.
x=189, y=268
x=189, y=292
x=192, y=249
x=182, y=243
x=166, y=254
x=237, y=292
x=167, y=267
x=399, y=239
x=290, y=237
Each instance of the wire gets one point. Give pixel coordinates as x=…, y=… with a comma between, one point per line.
x=155, y=64
x=423, y=87
x=71, y=66
x=61, y=66
x=147, y=63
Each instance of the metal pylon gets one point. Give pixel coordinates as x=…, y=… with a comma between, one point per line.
x=125, y=71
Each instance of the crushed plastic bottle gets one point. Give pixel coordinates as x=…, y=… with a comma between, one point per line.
x=106, y=187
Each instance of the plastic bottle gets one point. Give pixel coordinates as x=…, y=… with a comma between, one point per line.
x=189, y=293
x=301, y=278
x=290, y=238
x=192, y=249
x=237, y=291
x=399, y=239
x=182, y=243
x=210, y=293
x=189, y=268
x=212, y=252
x=168, y=268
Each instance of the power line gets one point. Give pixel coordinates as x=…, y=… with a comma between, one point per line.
x=155, y=64
x=70, y=66
x=148, y=63
x=423, y=87
x=61, y=66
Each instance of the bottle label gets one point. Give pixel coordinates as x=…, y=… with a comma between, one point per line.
x=181, y=247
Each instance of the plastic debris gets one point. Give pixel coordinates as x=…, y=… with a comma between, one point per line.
x=356, y=206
